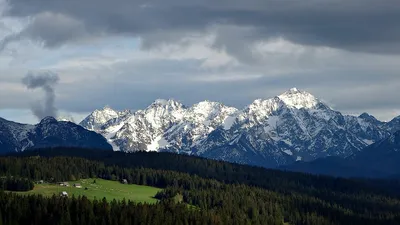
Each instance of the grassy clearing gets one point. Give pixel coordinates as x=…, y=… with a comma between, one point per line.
x=102, y=188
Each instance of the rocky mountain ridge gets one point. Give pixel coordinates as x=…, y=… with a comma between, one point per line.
x=16, y=137
x=293, y=126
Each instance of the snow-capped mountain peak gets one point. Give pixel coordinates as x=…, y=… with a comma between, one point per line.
x=269, y=132
x=210, y=110
x=260, y=109
x=162, y=112
x=299, y=99
x=98, y=118
x=167, y=103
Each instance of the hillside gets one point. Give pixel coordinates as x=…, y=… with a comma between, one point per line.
x=98, y=189
x=225, y=193
x=381, y=159
x=16, y=137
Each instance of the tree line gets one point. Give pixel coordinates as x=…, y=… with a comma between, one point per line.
x=222, y=193
x=38, y=210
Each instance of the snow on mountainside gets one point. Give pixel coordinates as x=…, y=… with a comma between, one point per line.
x=393, y=125
x=379, y=160
x=269, y=132
x=298, y=99
x=15, y=137
x=65, y=119
x=98, y=118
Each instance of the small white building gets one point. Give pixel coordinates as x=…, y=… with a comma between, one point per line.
x=66, y=184
x=78, y=185
x=64, y=194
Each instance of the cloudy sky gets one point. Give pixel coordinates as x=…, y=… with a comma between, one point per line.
x=127, y=53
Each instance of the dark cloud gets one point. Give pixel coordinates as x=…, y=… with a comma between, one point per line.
x=351, y=80
x=46, y=82
x=139, y=84
x=357, y=25
x=50, y=30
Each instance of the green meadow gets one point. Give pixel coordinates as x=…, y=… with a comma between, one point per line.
x=100, y=189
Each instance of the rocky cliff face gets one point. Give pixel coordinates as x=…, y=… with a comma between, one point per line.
x=293, y=126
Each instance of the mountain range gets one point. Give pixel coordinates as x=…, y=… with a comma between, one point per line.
x=16, y=137
x=294, y=131
x=293, y=126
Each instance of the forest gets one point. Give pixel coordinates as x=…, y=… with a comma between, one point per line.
x=220, y=192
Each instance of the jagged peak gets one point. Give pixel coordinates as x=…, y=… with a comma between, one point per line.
x=208, y=108
x=209, y=104
x=99, y=117
x=369, y=118
x=366, y=116
x=48, y=119
x=105, y=111
x=107, y=107
x=162, y=101
x=167, y=103
x=294, y=90
x=265, y=102
x=299, y=99
x=264, y=107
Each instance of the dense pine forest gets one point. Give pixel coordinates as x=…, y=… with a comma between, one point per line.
x=218, y=192
x=16, y=184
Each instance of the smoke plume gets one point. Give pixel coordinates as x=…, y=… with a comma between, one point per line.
x=45, y=81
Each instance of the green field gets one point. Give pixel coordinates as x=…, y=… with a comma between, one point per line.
x=102, y=188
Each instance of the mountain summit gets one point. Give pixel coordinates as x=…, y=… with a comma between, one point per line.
x=299, y=99
x=293, y=126
x=16, y=137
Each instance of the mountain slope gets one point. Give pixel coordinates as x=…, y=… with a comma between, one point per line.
x=293, y=126
x=381, y=156
x=393, y=125
x=381, y=159
x=15, y=137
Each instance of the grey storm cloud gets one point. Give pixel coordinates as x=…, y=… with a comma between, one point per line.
x=52, y=30
x=353, y=80
x=358, y=25
x=46, y=82
x=350, y=91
